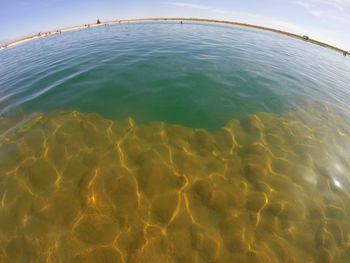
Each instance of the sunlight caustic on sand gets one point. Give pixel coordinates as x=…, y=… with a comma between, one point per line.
x=77, y=187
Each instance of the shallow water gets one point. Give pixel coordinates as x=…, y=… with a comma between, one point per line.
x=199, y=76
x=209, y=144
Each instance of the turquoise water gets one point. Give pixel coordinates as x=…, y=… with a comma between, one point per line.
x=162, y=142
x=198, y=75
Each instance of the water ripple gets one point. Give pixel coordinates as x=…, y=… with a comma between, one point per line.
x=239, y=66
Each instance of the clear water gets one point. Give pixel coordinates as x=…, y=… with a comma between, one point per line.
x=161, y=142
x=196, y=75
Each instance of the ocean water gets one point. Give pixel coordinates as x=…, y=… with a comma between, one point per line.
x=168, y=142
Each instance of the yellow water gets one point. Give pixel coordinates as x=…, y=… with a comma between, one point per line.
x=76, y=187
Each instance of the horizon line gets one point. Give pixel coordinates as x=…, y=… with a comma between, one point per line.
x=277, y=31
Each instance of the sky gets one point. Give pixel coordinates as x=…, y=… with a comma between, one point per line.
x=324, y=20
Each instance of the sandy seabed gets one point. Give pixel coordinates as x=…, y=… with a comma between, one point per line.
x=75, y=187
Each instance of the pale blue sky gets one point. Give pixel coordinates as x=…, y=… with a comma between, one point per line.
x=325, y=20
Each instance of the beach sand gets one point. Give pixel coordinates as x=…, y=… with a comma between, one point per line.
x=316, y=42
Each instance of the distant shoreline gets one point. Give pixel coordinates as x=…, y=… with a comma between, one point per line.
x=304, y=38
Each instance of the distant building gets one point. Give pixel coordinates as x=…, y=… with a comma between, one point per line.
x=98, y=21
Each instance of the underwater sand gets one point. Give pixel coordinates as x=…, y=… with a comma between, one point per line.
x=162, y=142
x=77, y=187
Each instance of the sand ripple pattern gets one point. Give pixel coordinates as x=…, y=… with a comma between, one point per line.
x=75, y=187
